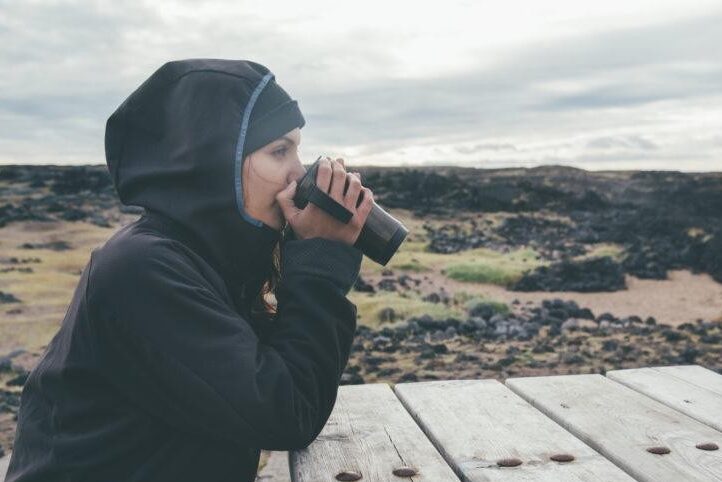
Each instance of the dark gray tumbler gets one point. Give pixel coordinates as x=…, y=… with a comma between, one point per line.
x=381, y=235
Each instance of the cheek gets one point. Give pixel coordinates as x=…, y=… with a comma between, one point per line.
x=264, y=178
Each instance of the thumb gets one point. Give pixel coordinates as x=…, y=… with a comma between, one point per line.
x=285, y=200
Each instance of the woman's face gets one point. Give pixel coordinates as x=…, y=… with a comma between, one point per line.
x=268, y=170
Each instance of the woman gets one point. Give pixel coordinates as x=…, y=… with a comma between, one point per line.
x=171, y=363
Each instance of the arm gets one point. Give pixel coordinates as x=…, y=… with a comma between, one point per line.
x=171, y=345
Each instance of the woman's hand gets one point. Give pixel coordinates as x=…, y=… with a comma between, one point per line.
x=312, y=221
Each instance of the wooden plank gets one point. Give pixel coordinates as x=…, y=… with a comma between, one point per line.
x=674, y=389
x=699, y=375
x=276, y=468
x=369, y=431
x=4, y=463
x=476, y=423
x=622, y=424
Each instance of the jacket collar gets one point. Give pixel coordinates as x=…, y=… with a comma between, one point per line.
x=241, y=274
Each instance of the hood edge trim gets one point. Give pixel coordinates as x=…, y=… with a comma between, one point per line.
x=238, y=162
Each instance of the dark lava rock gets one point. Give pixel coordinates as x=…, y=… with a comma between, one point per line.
x=427, y=353
x=408, y=377
x=606, y=317
x=54, y=245
x=564, y=309
x=18, y=381
x=550, y=237
x=689, y=354
x=386, y=315
x=9, y=401
x=385, y=372
x=466, y=357
x=362, y=286
x=543, y=347
x=74, y=214
x=15, y=268
x=673, y=335
x=593, y=275
x=81, y=178
x=14, y=260
x=8, y=298
x=485, y=309
x=506, y=361
x=711, y=260
x=437, y=297
x=711, y=339
x=452, y=238
x=387, y=284
x=440, y=348
x=428, y=323
x=610, y=345
x=572, y=359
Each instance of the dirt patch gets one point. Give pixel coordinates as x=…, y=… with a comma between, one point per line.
x=684, y=297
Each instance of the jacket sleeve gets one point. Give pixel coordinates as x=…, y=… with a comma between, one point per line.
x=172, y=346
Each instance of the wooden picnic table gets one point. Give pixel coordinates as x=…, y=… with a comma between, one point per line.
x=650, y=424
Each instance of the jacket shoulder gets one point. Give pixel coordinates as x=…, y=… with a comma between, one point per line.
x=132, y=260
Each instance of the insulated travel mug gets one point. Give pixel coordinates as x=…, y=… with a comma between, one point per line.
x=381, y=235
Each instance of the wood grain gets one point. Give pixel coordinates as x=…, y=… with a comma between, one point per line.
x=622, y=424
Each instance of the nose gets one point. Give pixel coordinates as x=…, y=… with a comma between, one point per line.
x=297, y=172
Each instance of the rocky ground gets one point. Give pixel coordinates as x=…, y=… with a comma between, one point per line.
x=556, y=337
x=505, y=272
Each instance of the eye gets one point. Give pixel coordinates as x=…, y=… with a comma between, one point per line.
x=280, y=152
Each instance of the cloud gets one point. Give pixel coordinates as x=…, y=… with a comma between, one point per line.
x=589, y=91
x=486, y=147
x=624, y=142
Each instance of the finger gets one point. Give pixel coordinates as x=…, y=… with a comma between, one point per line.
x=323, y=175
x=353, y=191
x=285, y=201
x=341, y=161
x=357, y=174
x=338, y=181
x=366, y=205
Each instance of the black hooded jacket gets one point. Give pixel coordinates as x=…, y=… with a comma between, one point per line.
x=159, y=371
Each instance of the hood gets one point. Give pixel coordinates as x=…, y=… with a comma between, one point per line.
x=176, y=147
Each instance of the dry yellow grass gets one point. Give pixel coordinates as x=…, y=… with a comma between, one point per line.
x=46, y=292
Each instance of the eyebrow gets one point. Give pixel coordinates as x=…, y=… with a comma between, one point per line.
x=287, y=139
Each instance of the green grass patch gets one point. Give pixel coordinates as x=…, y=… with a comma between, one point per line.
x=369, y=306
x=481, y=272
x=483, y=265
x=479, y=301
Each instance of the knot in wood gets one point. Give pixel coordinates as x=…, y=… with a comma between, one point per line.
x=348, y=475
x=707, y=446
x=562, y=457
x=404, y=471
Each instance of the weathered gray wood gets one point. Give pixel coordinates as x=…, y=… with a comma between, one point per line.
x=700, y=376
x=4, y=462
x=276, y=468
x=371, y=432
x=622, y=423
x=476, y=423
x=685, y=388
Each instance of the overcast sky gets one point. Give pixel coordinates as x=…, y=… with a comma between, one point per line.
x=630, y=84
